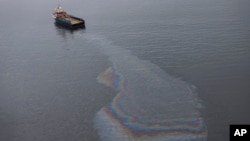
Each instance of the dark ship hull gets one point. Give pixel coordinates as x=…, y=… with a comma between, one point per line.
x=70, y=22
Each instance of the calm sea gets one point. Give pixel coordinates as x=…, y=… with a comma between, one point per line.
x=161, y=70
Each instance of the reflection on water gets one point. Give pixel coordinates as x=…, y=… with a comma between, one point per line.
x=62, y=31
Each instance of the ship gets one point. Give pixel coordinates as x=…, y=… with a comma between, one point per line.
x=63, y=19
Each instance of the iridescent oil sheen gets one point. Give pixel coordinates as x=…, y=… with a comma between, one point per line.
x=150, y=104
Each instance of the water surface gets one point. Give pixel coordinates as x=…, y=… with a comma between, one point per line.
x=141, y=70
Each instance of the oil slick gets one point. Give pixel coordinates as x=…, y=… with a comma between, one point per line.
x=112, y=79
x=150, y=105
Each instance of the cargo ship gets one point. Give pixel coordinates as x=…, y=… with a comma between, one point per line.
x=63, y=19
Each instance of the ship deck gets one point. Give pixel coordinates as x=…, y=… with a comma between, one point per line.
x=73, y=21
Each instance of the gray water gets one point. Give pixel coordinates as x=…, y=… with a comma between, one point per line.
x=154, y=54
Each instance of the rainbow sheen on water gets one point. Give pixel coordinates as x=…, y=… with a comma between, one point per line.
x=150, y=104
